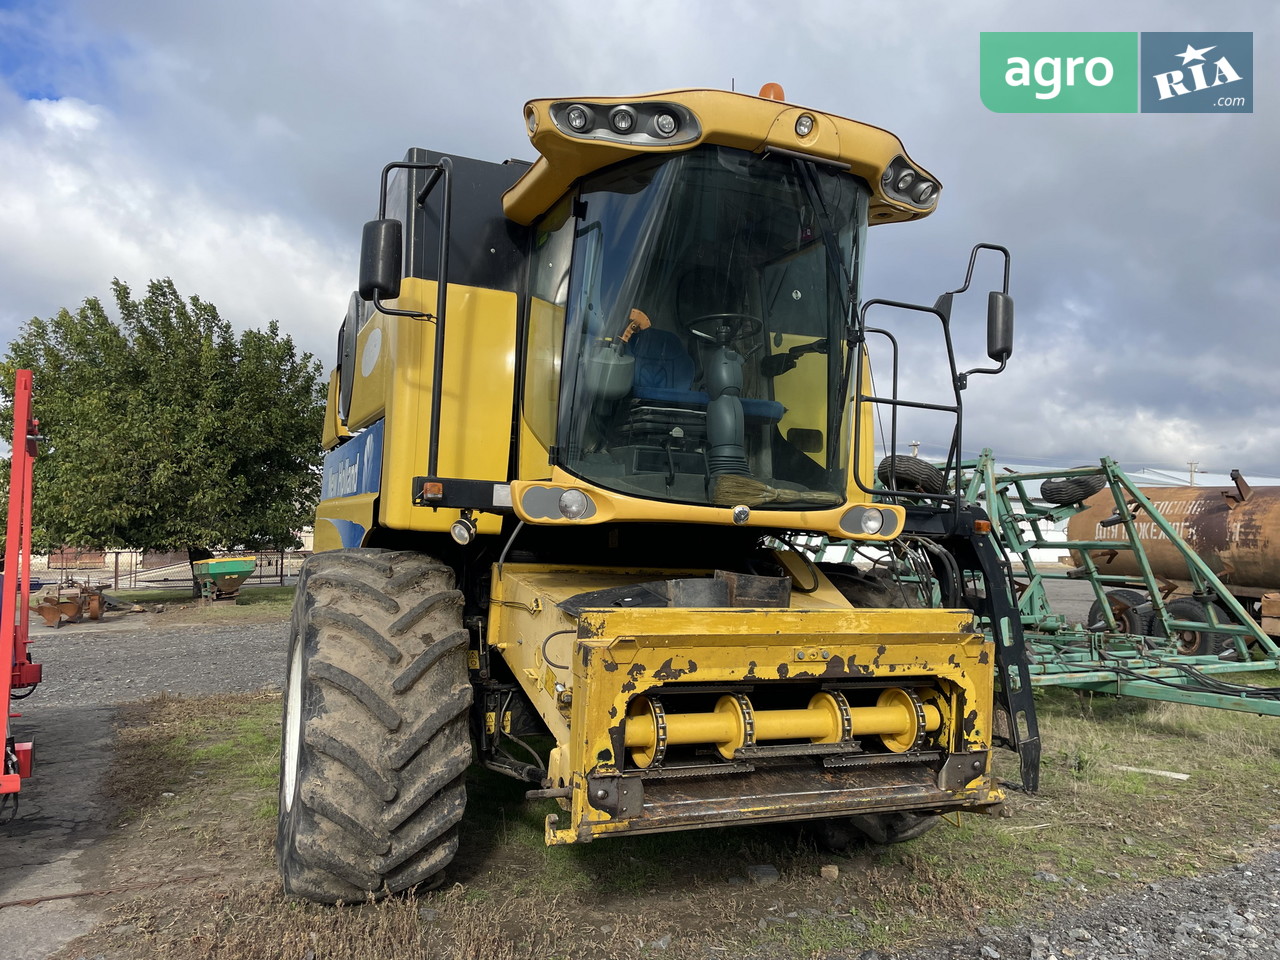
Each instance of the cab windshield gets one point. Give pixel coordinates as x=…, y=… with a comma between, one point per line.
x=709, y=296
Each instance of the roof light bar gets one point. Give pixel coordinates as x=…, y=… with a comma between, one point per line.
x=635, y=124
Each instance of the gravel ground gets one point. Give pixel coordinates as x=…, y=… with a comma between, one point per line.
x=1233, y=915
x=128, y=657
x=89, y=668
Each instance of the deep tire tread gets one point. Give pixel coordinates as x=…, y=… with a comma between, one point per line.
x=427, y=659
x=324, y=806
x=359, y=690
x=459, y=698
x=384, y=742
x=1069, y=490
x=337, y=620
x=432, y=821
x=367, y=594
x=405, y=581
x=352, y=759
x=421, y=609
x=436, y=774
x=911, y=474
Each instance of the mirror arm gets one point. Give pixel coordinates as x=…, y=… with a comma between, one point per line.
x=962, y=379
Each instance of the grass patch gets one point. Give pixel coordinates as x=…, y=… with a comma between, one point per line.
x=154, y=595
x=202, y=750
x=253, y=605
x=1094, y=828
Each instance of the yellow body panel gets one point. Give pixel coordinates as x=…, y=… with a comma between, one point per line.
x=338, y=511
x=583, y=675
x=369, y=379
x=612, y=506
x=865, y=413
x=335, y=430
x=727, y=119
x=393, y=379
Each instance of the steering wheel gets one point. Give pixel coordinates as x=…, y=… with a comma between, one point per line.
x=727, y=327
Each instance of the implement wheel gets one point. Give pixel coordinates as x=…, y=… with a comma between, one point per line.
x=1069, y=490
x=1126, y=618
x=375, y=737
x=1194, y=643
x=911, y=473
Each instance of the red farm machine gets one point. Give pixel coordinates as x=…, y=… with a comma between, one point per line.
x=20, y=680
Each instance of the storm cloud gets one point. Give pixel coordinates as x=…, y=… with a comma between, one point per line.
x=236, y=148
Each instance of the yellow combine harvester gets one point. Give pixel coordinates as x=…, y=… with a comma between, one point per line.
x=586, y=416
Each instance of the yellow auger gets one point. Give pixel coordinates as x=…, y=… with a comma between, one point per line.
x=900, y=718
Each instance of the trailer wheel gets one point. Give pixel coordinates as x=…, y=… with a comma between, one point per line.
x=375, y=738
x=1194, y=643
x=1071, y=489
x=1128, y=621
x=911, y=473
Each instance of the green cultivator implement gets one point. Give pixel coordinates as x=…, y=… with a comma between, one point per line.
x=1140, y=640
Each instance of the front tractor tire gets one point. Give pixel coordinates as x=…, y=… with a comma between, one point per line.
x=375, y=738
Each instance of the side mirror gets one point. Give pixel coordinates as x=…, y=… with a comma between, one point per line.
x=381, y=259
x=999, y=326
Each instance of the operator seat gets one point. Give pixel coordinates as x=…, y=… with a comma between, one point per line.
x=664, y=373
x=664, y=370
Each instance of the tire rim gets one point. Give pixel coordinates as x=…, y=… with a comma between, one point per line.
x=292, y=728
x=1188, y=642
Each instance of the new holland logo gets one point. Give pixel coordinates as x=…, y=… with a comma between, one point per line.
x=1197, y=73
x=344, y=479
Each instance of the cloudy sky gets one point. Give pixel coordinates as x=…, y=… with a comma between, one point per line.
x=235, y=147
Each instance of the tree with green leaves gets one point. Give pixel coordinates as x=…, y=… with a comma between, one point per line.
x=167, y=431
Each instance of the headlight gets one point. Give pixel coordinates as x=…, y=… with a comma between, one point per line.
x=871, y=522
x=623, y=119
x=902, y=181
x=463, y=530
x=804, y=125
x=865, y=520
x=646, y=123
x=573, y=504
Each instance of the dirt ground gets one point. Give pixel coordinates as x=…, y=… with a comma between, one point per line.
x=68, y=869
x=55, y=876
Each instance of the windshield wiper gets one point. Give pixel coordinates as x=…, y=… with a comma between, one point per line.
x=808, y=172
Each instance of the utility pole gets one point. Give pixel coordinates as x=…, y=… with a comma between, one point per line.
x=1193, y=464
x=915, y=448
